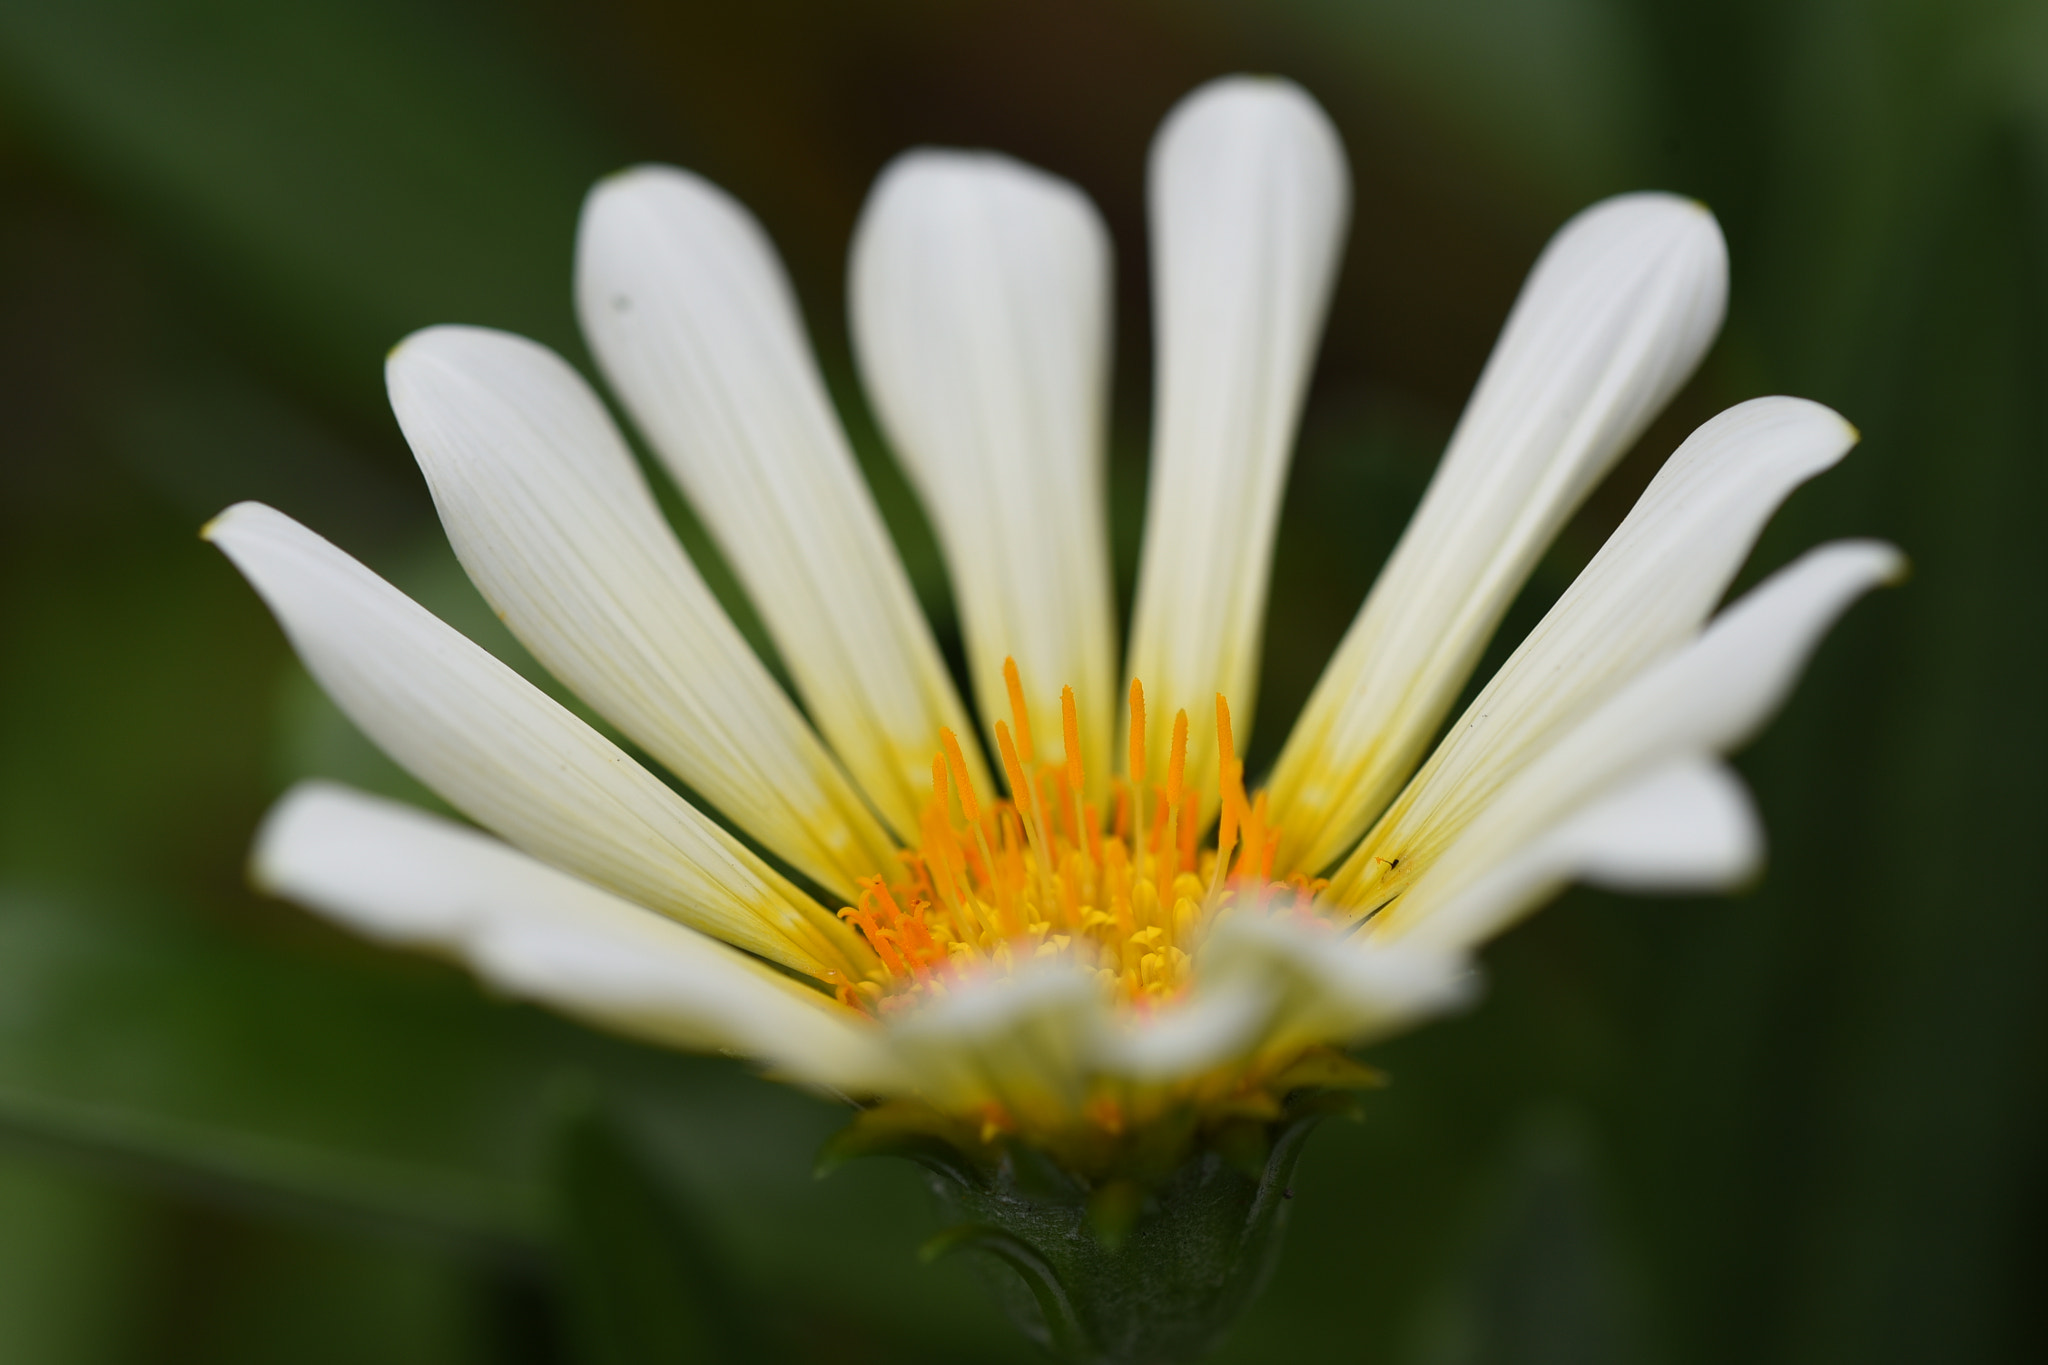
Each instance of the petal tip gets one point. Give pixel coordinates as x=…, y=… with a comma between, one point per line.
x=233, y=517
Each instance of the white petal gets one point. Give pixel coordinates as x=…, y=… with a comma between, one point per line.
x=503, y=753
x=1686, y=827
x=980, y=306
x=1250, y=198
x=1027, y=1042
x=688, y=312
x=1216, y=1023
x=1691, y=827
x=1614, y=317
x=555, y=524
x=1708, y=698
x=402, y=876
x=1643, y=596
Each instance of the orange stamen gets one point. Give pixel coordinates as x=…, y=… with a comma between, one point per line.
x=1019, y=717
x=1024, y=792
x=1070, y=732
x=968, y=805
x=1137, y=733
x=1037, y=872
x=1177, y=758
x=1226, y=828
x=1186, y=831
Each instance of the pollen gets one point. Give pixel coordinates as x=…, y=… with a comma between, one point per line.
x=1128, y=892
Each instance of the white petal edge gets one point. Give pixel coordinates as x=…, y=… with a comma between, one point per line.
x=1709, y=698
x=555, y=524
x=1616, y=314
x=1686, y=827
x=405, y=877
x=686, y=307
x=1250, y=200
x=980, y=304
x=509, y=757
x=1642, y=597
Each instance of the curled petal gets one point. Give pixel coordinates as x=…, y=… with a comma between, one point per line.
x=1685, y=827
x=1026, y=1042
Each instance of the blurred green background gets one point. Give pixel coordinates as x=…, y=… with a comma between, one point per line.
x=1804, y=1124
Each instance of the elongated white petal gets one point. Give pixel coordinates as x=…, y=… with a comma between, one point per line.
x=1706, y=699
x=686, y=308
x=1685, y=827
x=1250, y=198
x=1616, y=314
x=555, y=524
x=980, y=293
x=1643, y=596
x=406, y=877
x=503, y=753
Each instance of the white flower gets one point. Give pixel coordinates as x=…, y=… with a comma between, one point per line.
x=1071, y=962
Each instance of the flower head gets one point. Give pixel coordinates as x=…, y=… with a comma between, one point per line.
x=1081, y=925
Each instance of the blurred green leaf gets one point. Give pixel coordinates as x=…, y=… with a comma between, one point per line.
x=68, y=1246
x=645, y=1285
x=145, y=1039
x=406, y=1101
x=342, y=172
x=1559, y=94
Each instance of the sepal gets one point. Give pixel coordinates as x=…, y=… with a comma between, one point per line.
x=1121, y=1266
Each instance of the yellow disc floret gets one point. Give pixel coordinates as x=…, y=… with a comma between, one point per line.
x=1129, y=893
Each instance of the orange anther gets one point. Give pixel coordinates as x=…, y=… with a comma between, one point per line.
x=1070, y=731
x=1186, y=831
x=1020, y=790
x=968, y=805
x=1162, y=818
x=1226, y=828
x=1105, y=1113
x=1069, y=804
x=1019, y=717
x=1137, y=733
x=1177, y=758
x=1030, y=813
x=1226, y=750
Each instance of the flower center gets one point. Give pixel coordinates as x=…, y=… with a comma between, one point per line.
x=1129, y=892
